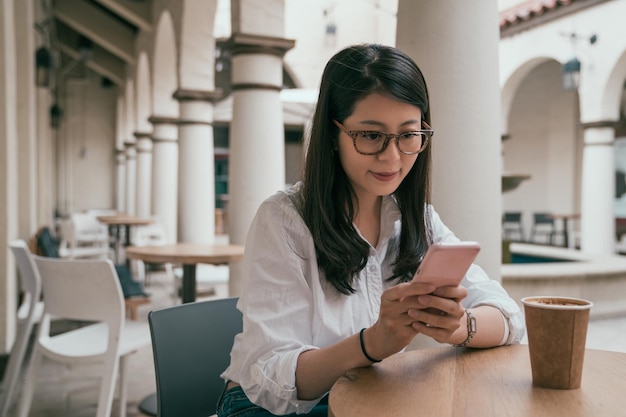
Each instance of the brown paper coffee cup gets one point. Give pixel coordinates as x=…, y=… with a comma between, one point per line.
x=557, y=332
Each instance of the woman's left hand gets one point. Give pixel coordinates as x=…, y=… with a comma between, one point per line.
x=443, y=316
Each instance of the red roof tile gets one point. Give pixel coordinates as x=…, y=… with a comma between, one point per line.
x=530, y=9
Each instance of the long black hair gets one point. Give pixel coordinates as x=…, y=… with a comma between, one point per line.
x=327, y=206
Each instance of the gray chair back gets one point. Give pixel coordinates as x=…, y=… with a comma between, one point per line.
x=191, y=346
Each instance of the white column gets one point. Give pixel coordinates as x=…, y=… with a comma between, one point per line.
x=257, y=140
x=165, y=174
x=8, y=174
x=144, y=174
x=597, y=222
x=455, y=43
x=131, y=178
x=46, y=158
x=120, y=180
x=26, y=119
x=196, y=167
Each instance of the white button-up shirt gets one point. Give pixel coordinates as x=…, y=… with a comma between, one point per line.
x=289, y=307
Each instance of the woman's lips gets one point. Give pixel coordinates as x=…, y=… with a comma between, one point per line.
x=384, y=176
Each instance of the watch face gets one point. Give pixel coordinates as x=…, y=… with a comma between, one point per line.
x=471, y=328
x=471, y=323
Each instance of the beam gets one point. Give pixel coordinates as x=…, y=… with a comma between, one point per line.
x=137, y=13
x=103, y=63
x=93, y=23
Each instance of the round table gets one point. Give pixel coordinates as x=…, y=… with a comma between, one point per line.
x=115, y=221
x=187, y=254
x=452, y=382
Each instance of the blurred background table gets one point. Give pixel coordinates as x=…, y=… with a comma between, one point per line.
x=187, y=254
x=116, y=221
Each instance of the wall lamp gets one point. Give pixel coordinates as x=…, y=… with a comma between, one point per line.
x=571, y=69
x=85, y=48
x=43, y=67
x=56, y=113
x=571, y=74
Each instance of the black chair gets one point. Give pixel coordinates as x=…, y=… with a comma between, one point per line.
x=512, y=226
x=543, y=225
x=191, y=346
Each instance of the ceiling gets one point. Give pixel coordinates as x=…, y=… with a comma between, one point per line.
x=97, y=33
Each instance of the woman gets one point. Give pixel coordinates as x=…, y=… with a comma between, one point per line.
x=329, y=262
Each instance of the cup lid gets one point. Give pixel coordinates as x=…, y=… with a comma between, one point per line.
x=557, y=302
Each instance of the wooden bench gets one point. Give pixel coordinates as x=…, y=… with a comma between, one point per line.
x=133, y=303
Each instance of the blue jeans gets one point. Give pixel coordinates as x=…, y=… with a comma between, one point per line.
x=235, y=403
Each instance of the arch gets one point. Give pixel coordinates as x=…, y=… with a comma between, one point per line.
x=511, y=85
x=165, y=80
x=613, y=89
x=197, y=50
x=143, y=93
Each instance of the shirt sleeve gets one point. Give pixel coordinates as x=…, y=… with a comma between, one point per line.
x=483, y=290
x=277, y=307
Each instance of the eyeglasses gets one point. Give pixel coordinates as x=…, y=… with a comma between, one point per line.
x=373, y=142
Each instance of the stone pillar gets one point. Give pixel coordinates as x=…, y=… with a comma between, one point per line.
x=257, y=139
x=8, y=175
x=165, y=174
x=467, y=165
x=120, y=180
x=46, y=157
x=144, y=174
x=597, y=221
x=131, y=177
x=196, y=166
x=26, y=119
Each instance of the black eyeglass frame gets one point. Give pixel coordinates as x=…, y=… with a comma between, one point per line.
x=353, y=134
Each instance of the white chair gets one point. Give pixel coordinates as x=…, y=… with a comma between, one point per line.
x=211, y=280
x=82, y=236
x=152, y=234
x=88, y=230
x=85, y=290
x=29, y=313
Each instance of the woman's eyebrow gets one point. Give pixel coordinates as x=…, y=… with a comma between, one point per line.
x=383, y=125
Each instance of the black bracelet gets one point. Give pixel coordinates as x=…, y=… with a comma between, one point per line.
x=369, y=358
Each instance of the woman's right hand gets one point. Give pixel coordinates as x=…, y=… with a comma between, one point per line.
x=393, y=330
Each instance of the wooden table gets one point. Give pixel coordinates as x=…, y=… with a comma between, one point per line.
x=187, y=254
x=454, y=382
x=116, y=221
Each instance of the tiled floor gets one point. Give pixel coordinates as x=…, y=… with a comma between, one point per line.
x=72, y=392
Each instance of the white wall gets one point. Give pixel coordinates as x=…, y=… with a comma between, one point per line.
x=356, y=21
x=89, y=144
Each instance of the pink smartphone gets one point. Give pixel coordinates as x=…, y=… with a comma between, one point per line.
x=446, y=263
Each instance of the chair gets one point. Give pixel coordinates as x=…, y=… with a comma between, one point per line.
x=83, y=237
x=211, y=280
x=543, y=224
x=512, y=225
x=29, y=313
x=87, y=291
x=149, y=235
x=191, y=346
